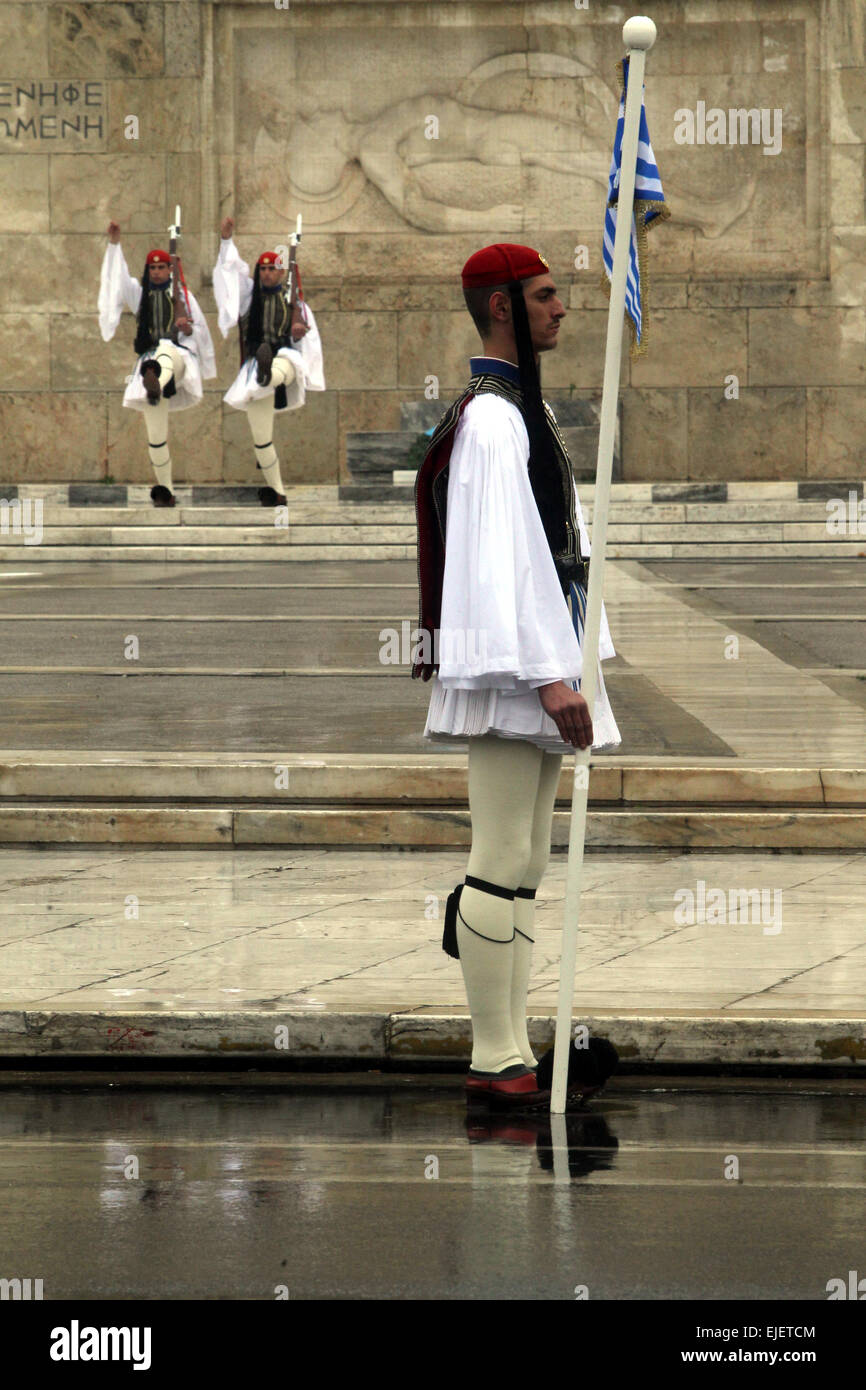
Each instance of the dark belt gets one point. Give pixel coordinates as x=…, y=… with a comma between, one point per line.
x=273, y=343
x=570, y=570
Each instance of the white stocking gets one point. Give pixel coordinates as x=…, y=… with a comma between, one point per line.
x=503, y=783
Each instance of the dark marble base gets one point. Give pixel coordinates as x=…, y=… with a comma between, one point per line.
x=376, y=492
x=690, y=492
x=823, y=491
x=224, y=495
x=98, y=494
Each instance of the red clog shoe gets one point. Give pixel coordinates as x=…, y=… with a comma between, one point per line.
x=514, y=1088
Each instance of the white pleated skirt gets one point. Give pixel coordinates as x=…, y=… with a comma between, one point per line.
x=462, y=714
x=245, y=387
x=188, y=392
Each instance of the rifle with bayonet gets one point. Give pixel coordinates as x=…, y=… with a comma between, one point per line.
x=294, y=242
x=178, y=283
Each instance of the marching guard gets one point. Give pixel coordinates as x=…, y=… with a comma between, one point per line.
x=503, y=565
x=280, y=347
x=173, y=342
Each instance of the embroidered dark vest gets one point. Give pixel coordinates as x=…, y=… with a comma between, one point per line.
x=276, y=323
x=431, y=503
x=160, y=314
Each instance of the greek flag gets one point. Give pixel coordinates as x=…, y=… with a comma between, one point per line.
x=649, y=207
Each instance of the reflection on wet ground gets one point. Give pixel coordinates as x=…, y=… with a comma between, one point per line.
x=256, y=1187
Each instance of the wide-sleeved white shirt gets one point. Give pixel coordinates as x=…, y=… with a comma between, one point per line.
x=118, y=290
x=504, y=620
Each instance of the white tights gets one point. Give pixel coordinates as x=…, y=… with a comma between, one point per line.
x=171, y=364
x=260, y=414
x=512, y=788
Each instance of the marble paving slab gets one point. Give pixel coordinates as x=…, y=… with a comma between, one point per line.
x=186, y=952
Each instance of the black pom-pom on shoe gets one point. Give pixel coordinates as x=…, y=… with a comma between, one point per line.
x=264, y=358
x=161, y=497
x=269, y=497
x=150, y=380
x=588, y=1067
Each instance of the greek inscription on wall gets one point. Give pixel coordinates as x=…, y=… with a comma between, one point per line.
x=38, y=111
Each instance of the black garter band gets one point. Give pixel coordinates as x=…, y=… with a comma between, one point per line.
x=452, y=911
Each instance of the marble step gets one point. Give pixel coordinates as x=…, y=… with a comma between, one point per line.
x=629, y=524
x=264, y=533
x=404, y=779
x=224, y=799
x=365, y=533
x=262, y=553
x=266, y=548
x=170, y=823
x=311, y=513
x=86, y=494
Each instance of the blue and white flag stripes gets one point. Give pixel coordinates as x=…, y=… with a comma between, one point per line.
x=649, y=207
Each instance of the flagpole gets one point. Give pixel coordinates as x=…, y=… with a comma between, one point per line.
x=638, y=35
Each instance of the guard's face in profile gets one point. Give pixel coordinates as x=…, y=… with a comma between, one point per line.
x=545, y=311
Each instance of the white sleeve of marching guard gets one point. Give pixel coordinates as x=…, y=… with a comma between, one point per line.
x=232, y=286
x=310, y=348
x=116, y=289
x=200, y=340
x=504, y=620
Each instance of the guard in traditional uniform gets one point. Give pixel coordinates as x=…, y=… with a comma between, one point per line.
x=174, y=354
x=503, y=565
x=281, y=351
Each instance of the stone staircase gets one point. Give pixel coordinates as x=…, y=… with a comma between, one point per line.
x=408, y=801
x=218, y=524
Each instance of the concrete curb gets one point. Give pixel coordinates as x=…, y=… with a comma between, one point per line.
x=687, y=1038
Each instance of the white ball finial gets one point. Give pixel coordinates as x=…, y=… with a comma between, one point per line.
x=639, y=32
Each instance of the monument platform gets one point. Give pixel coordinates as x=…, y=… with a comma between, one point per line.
x=303, y=957
x=228, y=837
x=223, y=523
x=260, y=703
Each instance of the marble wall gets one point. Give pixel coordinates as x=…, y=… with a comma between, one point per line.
x=408, y=135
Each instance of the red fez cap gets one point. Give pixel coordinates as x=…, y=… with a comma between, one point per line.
x=158, y=258
x=499, y=264
x=269, y=258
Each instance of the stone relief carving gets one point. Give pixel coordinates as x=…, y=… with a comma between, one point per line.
x=511, y=118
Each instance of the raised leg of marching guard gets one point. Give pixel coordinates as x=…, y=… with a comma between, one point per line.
x=506, y=598
x=280, y=349
x=175, y=350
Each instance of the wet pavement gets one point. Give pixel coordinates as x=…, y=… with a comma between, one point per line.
x=352, y=932
x=290, y=655
x=258, y=1186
